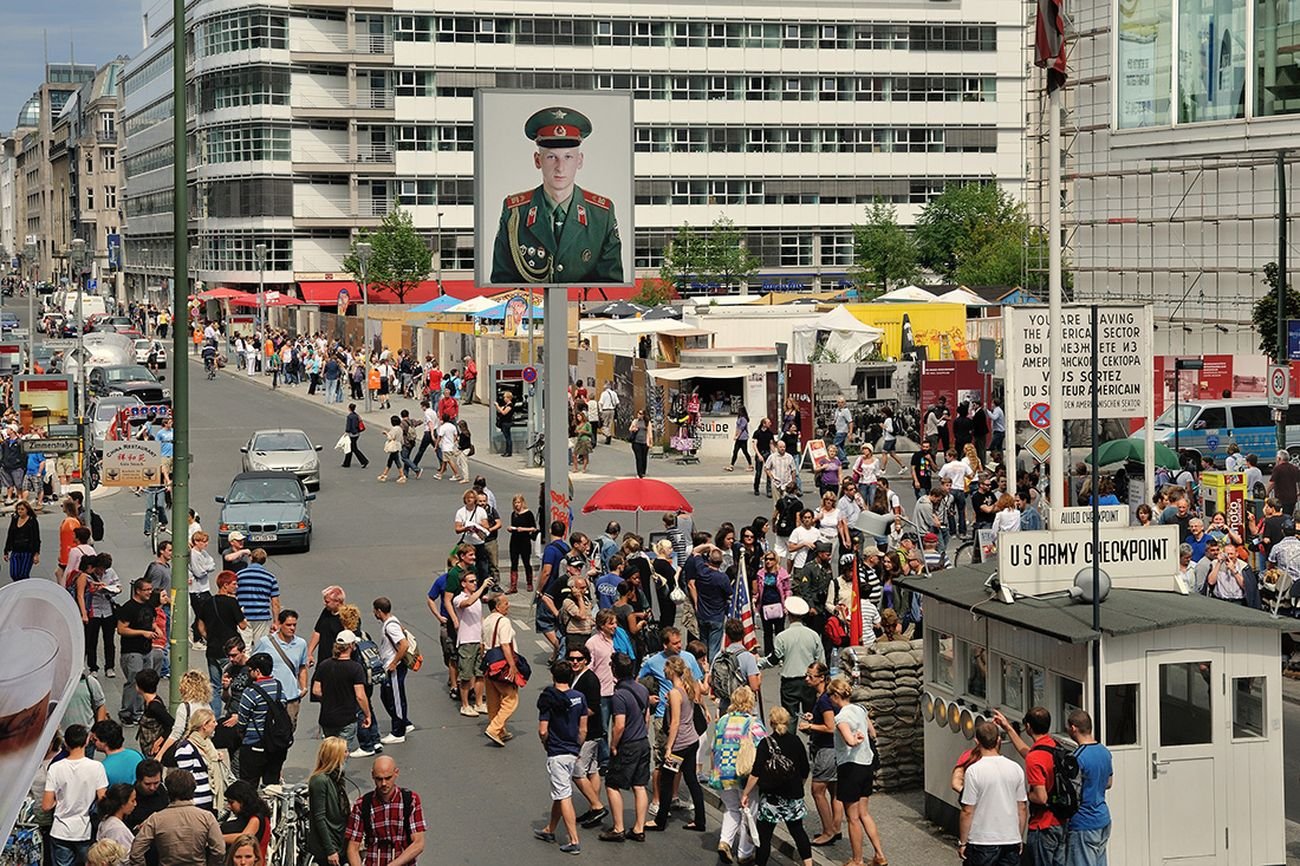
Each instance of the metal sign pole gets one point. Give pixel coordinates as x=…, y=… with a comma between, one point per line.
x=555, y=355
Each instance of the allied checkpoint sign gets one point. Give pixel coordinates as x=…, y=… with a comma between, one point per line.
x=1042, y=561
x=1123, y=369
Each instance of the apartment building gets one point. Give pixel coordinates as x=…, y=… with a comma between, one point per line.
x=310, y=119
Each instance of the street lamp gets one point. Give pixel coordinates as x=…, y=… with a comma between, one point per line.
x=364, y=251
x=438, y=276
x=78, y=257
x=30, y=250
x=259, y=255
x=1181, y=364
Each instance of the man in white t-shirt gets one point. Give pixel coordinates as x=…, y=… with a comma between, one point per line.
x=469, y=644
x=803, y=539
x=608, y=404
x=449, y=450
x=994, y=804
x=392, y=645
x=72, y=786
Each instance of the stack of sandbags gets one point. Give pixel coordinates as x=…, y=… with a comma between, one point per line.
x=886, y=679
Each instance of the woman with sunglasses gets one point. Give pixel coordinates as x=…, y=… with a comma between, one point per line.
x=771, y=588
x=749, y=552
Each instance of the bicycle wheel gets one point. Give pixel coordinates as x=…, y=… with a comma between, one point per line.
x=964, y=555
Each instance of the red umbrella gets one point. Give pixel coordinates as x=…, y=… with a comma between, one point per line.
x=225, y=294
x=637, y=494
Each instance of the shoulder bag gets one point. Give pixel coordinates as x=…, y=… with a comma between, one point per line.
x=497, y=667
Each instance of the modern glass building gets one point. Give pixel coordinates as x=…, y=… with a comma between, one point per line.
x=310, y=120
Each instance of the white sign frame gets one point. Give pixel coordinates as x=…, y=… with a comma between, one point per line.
x=1279, y=399
x=1080, y=516
x=1037, y=562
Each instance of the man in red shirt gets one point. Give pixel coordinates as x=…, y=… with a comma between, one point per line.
x=1045, y=841
x=435, y=378
x=448, y=407
x=471, y=375
x=387, y=823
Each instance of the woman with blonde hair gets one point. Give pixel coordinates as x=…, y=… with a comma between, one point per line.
x=780, y=799
x=683, y=741
x=210, y=766
x=367, y=738
x=855, y=778
x=328, y=800
x=106, y=852
x=244, y=851
x=196, y=691
x=734, y=728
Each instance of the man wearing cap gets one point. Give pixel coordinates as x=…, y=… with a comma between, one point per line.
x=237, y=555
x=794, y=649
x=340, y=686
x=558, y=232
x=812, y=583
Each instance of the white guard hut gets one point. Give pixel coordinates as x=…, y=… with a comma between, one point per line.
x=1191, y=707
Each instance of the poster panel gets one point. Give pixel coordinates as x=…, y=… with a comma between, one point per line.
x=553, y=188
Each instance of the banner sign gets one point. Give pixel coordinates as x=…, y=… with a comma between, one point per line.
x=1075, y=517
x=1048, y=560
x=131, y=463
x=1123, y=367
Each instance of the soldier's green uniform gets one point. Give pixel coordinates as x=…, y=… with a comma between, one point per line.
x=588, y=249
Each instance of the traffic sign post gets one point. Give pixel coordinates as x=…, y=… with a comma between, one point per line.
x=1039, y=445
x=1279, y=386
x=530, y=375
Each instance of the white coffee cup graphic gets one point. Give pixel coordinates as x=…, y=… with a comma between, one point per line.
x=26, y=682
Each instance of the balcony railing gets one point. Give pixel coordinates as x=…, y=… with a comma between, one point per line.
x=330, y=43
x=339, y=98
x=373, y=154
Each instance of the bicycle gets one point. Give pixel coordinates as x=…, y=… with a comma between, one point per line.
x=209, y=367
x=155, y=517
x=290, y=817
x=537, y=450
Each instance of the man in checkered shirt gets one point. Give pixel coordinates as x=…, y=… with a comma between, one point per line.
x=1285, y=556
x=388, y=823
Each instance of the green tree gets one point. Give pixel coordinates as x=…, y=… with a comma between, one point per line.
x=884, y=254
x=653, y=293
x=727, y=262
x=1264, y=316
x=961, y=221
x=400, y=258
x=683, y=257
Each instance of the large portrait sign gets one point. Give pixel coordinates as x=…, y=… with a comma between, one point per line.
x=553, y=188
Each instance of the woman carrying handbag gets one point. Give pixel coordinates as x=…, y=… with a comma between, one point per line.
x=506, y=671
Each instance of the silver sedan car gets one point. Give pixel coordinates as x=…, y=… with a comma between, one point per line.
x=286, y=450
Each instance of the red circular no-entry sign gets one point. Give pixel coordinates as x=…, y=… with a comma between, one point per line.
x=1040, y=415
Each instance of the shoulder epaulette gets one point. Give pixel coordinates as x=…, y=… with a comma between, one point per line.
x=519, y=198
x=596, y=200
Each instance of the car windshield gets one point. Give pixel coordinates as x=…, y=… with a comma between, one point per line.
x=1186, y=413
x=127, y=374
x=281, y=441
x=106, y=411
x=264, y=490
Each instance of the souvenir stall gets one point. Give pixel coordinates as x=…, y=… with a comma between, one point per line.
x=702, y=398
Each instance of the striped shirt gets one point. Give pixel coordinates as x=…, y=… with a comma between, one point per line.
x=252, y=709
x=255, y=589
x=188, y=758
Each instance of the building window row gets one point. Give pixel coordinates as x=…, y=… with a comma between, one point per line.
x=577, y=31
x=242, y=142
x=235, y=252
x=416, y=191
x=152, y=159
x=445, y=137
x=161, y=111
x=699, y=86
x=148, y=71
x=774, y=247
x=804, y=190
x=242, y=31
x=1230, y=65
x=245, y=197
x=150, y=203
x=803, y=139
x=243, y=87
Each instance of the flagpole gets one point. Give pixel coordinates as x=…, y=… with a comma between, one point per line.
x=742, y=575
x=1056, y=431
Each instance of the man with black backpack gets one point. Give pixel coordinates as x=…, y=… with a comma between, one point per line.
x=268, y=731
x=1045, y=841
x=387, y=823
x=734, y=667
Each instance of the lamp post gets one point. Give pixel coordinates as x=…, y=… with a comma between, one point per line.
x=364, y=251
x=438, y=274
x=77, y=257
x=1181, y=364
x=31, y=312
x=259, y=255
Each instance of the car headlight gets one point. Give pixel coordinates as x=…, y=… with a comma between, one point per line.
x=301, y=524
x=231, y=527
x=167, y=393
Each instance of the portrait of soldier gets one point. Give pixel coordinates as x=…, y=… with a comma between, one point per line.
x=557, y=232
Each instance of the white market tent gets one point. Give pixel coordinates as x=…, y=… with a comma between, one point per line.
x=474, y=305
x=962, y=295
x=907, y=295
x=638, y=327
x=840, y=335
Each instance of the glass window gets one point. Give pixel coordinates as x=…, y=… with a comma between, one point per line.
x=977, y=671
x=1256, y=415
x=1145, y=63
x=1277, y=89
x=1069, y=697
x=1211, y=60
x=1037, y=682
x=1248, y=708
x=1185, y=704
x=1211, y=418
x=945, y=666
x=1013, y=684
x=1121, y=714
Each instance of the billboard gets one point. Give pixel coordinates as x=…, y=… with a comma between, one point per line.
x=44, y=401
x=938, y=328
x=553, y=188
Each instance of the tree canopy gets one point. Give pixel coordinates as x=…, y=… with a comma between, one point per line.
x=884, y=253
x=715, y=257
x=400, y=258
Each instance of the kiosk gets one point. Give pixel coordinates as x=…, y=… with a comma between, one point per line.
x=1191, y=708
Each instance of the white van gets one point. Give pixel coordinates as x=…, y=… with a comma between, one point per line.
x=91, y=305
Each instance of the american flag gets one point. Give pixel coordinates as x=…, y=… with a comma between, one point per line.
x=1049, y=41
x=742, y=610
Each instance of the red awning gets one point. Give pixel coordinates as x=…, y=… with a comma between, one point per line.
x=326, y=293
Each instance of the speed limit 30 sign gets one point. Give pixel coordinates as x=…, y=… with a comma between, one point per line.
x=1279, y=386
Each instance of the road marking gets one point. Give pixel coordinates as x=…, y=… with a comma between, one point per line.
x=542, y=644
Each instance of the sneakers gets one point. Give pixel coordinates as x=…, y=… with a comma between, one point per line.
x=495, y=739
x=571, y=848
x=111, y=674
x=360, y=753
x=594, y=818
x=392, y=739
x=481, y=708
x=469, y=712
x=543, y=836
x=612, y=836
